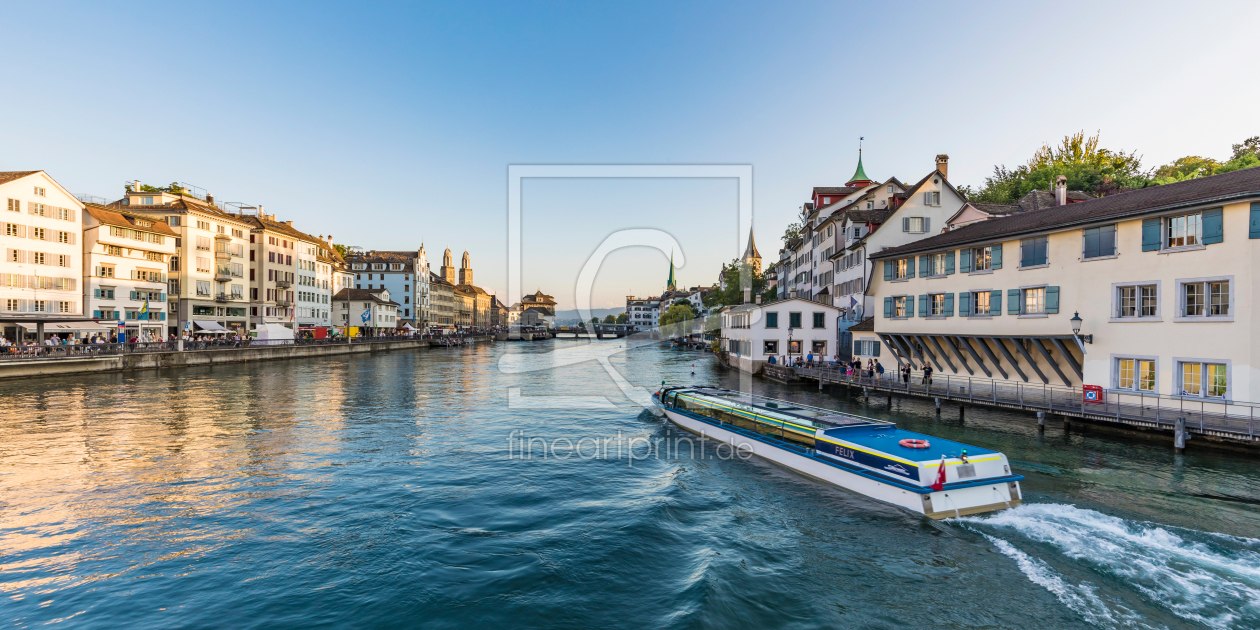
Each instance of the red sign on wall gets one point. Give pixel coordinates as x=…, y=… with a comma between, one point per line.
x=1093, y=393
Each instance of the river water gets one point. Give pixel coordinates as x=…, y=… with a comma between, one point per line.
x=395, y=490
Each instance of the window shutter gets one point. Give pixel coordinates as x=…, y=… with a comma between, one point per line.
x=857, y=347
x=910, y=267
x=1012, y=301
x=923, y=266
x=964, y=304
x=909, y=306
x=936, y=198
x=905, y=224
x=875, y=347
x=927, y=224
x=1255, y=219
x=887, y=307
x=949, y=304
x=888, y=270
x=997, y=256
x=949, y=262
x=964, y=262
x=1213, y=227
x=923, y=306
x=1150, y=234
x=927, y=198
x=1052, y=299
x=96, y=314
x=995, y=302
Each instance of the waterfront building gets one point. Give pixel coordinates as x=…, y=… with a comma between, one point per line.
x=364, y=308
x=786, y=329
x=1035, y=200
x=125, y=260
x=643, y=313
x=42, y=267
x=206, y=279
x=1162, y=279
x=404, y=273
x=282, y=273
x=442, y=300
x=801, y=275
x=888, y=215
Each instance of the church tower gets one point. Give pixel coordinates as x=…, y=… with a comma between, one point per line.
x=448, y=270
x=751, y=256
x=465, y=269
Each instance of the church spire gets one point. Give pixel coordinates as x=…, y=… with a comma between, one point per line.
x=859, y=177
x=671, y=286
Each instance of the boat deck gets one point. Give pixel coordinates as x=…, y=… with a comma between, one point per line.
x=884, y=439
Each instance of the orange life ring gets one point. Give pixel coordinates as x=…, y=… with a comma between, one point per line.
x=909, y=443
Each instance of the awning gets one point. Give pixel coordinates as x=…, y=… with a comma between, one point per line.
x=59, y=326
x=408, y=327
x=210, y=327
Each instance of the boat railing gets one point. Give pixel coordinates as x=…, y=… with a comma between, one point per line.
x=748, y=399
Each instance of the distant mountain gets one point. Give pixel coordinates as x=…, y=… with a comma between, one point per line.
x=571, y=316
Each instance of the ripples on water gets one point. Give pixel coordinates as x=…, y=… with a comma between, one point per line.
x=378, y=491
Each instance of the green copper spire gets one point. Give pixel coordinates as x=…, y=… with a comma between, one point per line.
x=671, y=286
x=860, y=175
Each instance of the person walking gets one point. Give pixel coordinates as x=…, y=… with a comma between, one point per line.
x=927, y=374
x=879, y=369
x=905, y=374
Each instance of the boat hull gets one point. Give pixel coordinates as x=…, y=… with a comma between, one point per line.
x=946, y=503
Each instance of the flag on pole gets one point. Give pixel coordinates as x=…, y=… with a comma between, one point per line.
x=144, y=309
x=940, y=476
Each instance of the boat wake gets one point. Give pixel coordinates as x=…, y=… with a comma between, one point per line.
x=1104, y=567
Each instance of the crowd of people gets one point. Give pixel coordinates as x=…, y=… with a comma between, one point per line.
x=854, y=367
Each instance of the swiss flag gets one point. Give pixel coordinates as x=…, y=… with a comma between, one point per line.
x=940, y=476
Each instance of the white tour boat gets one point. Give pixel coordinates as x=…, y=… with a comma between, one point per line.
x=867, y=456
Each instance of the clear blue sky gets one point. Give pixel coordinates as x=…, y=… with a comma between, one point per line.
x=388, y=125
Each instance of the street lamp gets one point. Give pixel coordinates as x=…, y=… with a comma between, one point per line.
x=1076, y=328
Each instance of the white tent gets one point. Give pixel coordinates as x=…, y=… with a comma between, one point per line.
x=273, y=331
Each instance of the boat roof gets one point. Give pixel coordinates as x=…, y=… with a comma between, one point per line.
x=887, y=438
x=781, y=409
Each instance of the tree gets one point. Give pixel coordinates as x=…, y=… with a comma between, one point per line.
x=623, y=318
x=792, y=233
x=1246, y=155
x=1250, y=146
x=342, y=250
x=736, y=276
x=610, y=319
x=680, y=312
x=1087, y=167
x=594, y=320
x=174, y=188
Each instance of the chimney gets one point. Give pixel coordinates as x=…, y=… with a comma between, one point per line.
x=758, y=298
x=289, y=223
x=793, y=294
x=747, y=295
x=210, y=199
x=135, y=186
x=1060, y=191
x=942, y=165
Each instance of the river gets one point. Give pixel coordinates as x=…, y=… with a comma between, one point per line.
x=398, y=490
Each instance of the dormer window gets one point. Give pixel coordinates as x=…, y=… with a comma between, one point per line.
x=826, y=200
x=870, y=205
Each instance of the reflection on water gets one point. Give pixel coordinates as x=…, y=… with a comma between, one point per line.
x=378, y=491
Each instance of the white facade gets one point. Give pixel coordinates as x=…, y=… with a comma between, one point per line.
x=365, y=309
x=643, y=313
x=125, y=262
x=795, y=328
x=311, y=309
x=40, y=228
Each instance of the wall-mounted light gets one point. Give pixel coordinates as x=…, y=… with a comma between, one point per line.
x=1076, y=328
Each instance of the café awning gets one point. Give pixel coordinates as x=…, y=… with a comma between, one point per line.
x=50, y=327
x=210, y=327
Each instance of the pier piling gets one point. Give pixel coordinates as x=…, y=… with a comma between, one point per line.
x=1041, y=422
x=938, y=406
x=1180, y=436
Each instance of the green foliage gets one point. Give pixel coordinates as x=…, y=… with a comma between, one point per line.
x=1188, y=167
x=1247, y=160
x=610, y=320
x=341, y=249
x=792, y=233
x=680, y=312
x=594, y=320
x=623, y=318
x=731, y=291
x=174, y=188
x=1250, y=146
x=1086, y=166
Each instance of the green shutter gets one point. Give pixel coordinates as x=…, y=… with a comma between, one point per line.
x=949, y=304
x=888, y=270
x=1213, y=226
x=887, y=307
x=949, y=262
x=923, y=266
x=923, y=306
x=909, y=306
x=1255, y=219
x=995, y=302
x=1012, y=301
x=964, y=304
x=875, y=344
x=857, y=347
x=910, y=267
x=1150, y=235
x=964, y=261
x=997, y=256
x=1052, y=299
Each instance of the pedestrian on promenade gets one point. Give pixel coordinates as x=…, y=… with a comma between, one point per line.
x=927, y=373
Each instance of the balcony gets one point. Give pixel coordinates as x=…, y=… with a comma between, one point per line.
x=283, y=303
x=222, y=256
x=224, y=237
x=222, y=276
x=284, y=284
x=223, y=297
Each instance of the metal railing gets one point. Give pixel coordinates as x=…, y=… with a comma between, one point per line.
x=1204, y=414
x=90, y=350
